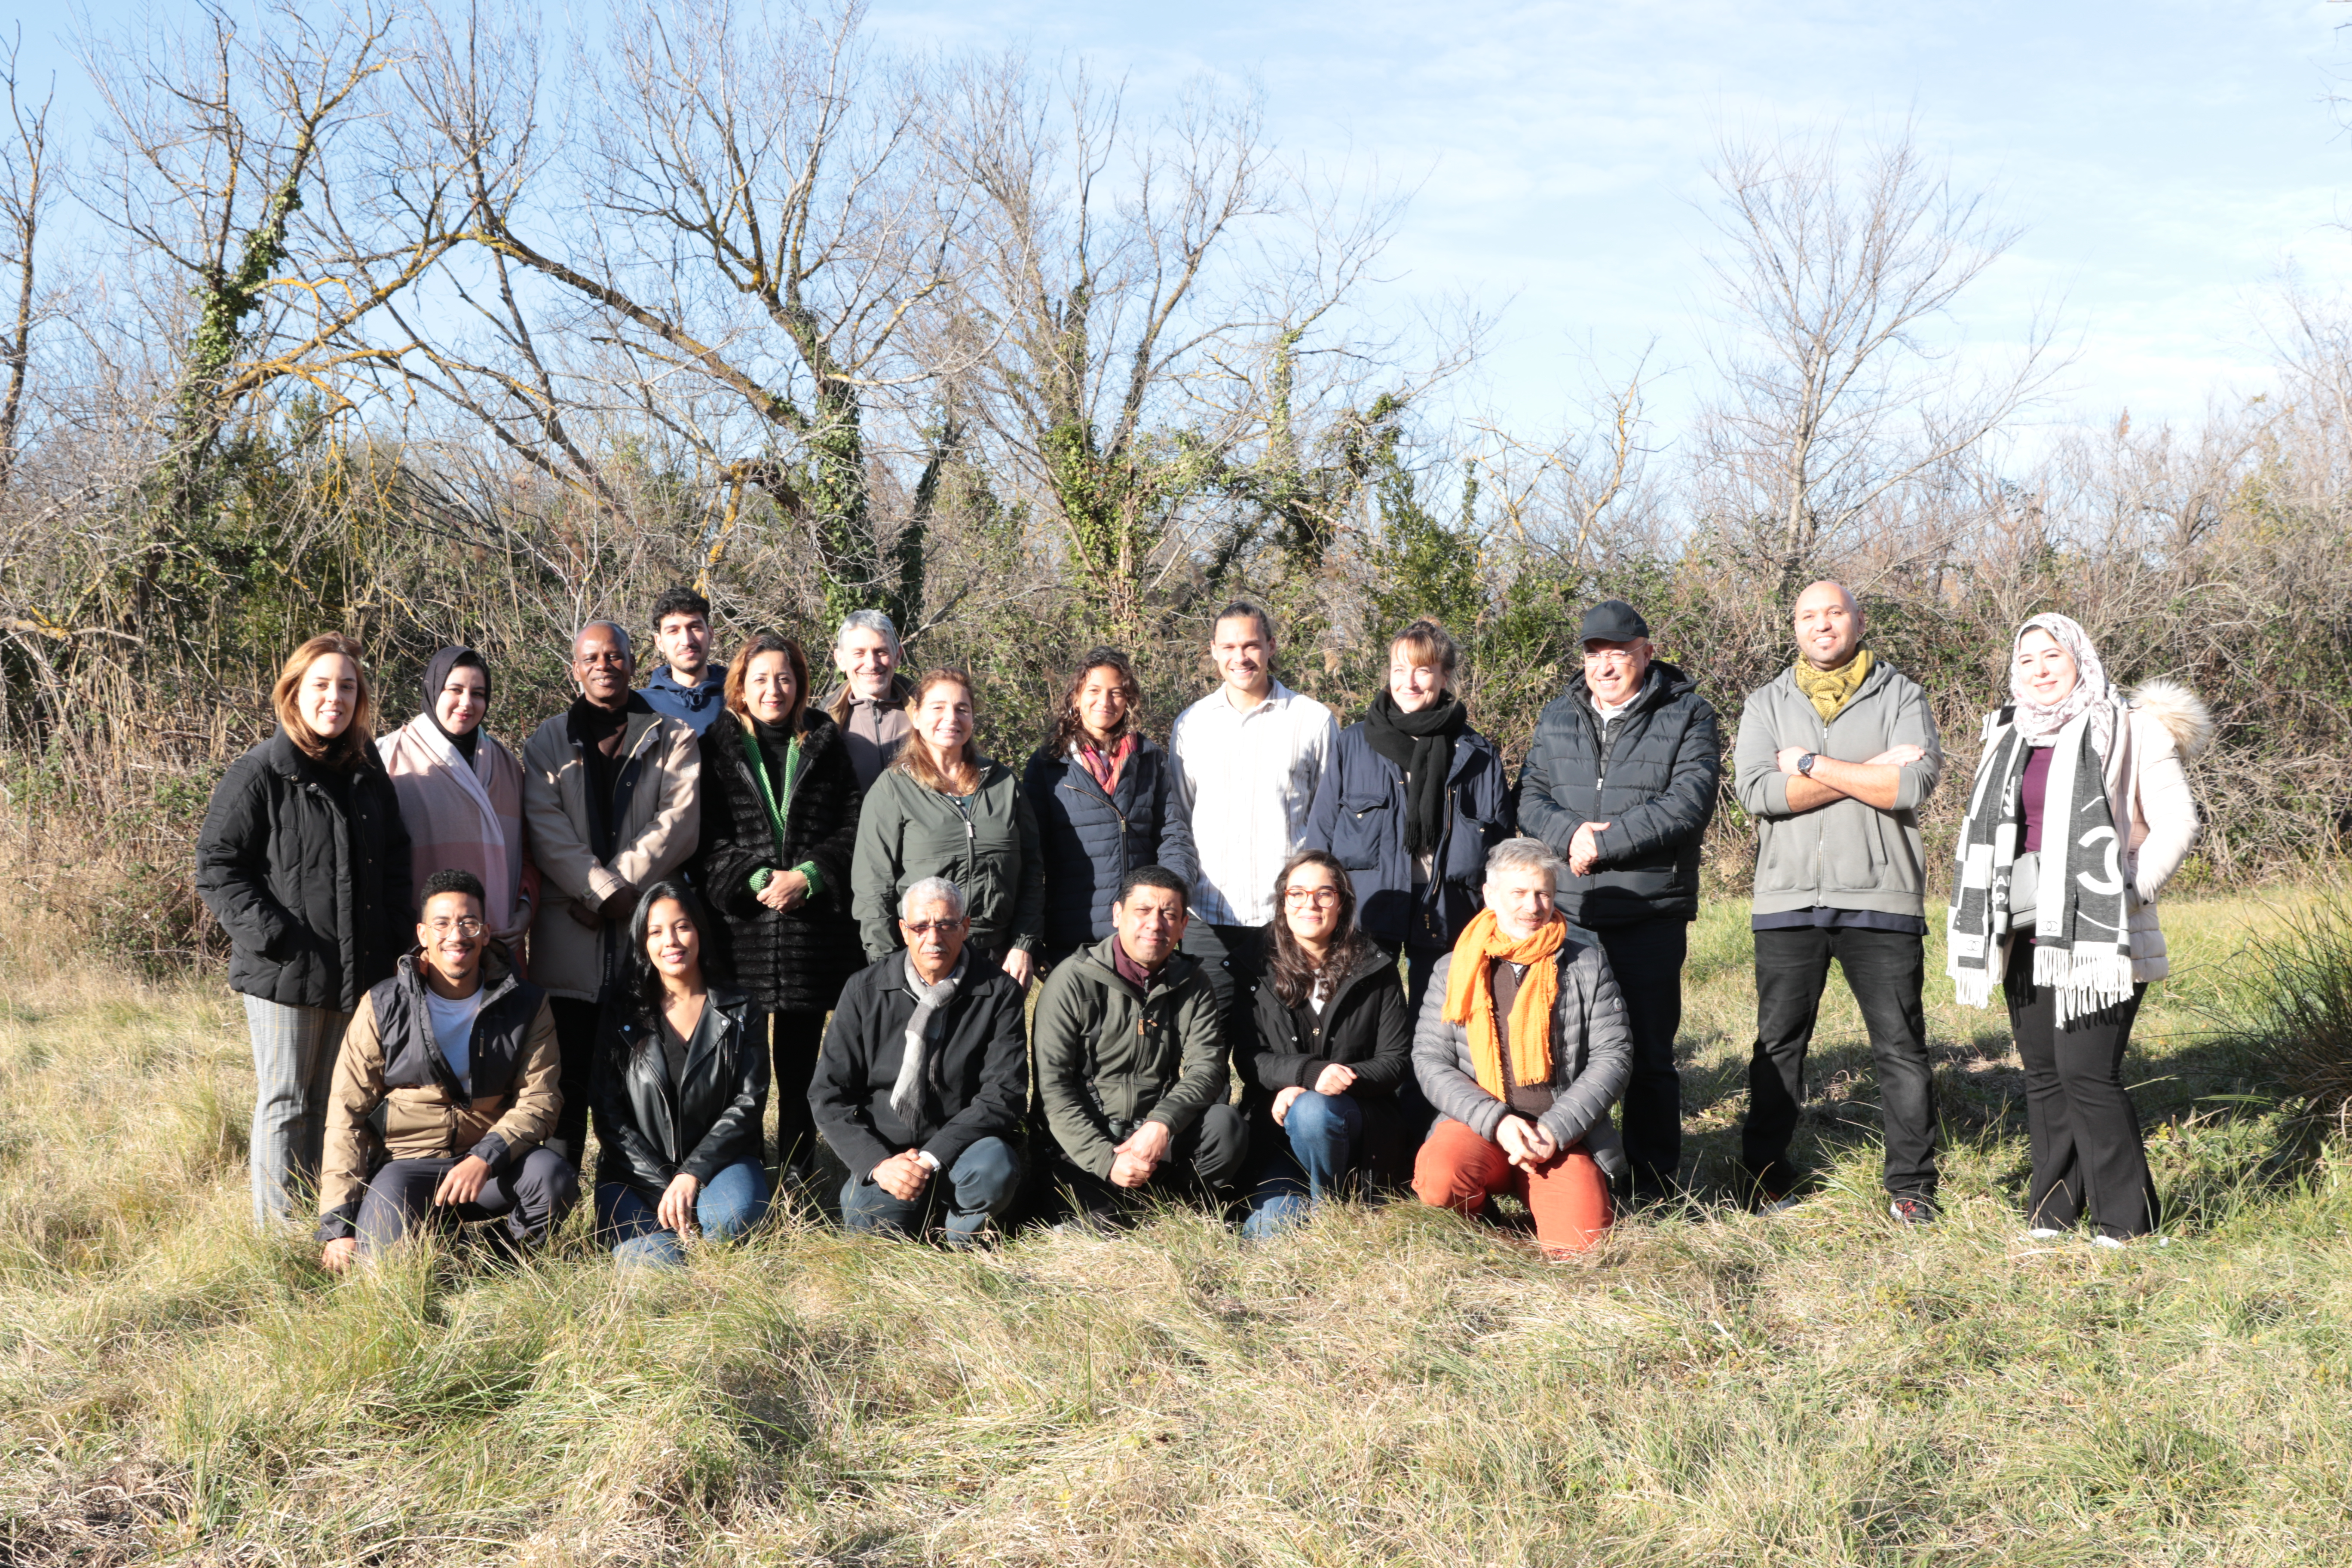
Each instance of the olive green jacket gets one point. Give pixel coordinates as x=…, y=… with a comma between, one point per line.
x=1110, y=1058
x=906, y=832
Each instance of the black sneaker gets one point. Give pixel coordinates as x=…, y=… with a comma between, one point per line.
x=1914, y=1211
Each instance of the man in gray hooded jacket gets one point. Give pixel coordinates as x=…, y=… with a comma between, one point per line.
x=1835, y=757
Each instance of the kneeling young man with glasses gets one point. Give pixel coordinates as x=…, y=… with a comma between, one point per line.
x=446, y=1084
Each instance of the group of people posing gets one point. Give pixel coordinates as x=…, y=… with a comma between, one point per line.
x=1278, y=961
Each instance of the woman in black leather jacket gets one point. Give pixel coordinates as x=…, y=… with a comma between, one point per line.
x=682, y=1089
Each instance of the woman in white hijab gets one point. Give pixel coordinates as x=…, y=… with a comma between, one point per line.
x=461, y=793
x=2080, y=813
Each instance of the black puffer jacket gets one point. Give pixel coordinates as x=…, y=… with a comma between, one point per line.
x=1654, y=782
x=310, y=880
x=798, y=960
x=1093, y=840
x=651, y=1129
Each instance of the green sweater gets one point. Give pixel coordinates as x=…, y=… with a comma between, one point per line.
x=989, y=847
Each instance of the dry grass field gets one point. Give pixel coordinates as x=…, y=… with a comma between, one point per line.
x=1388, y=1386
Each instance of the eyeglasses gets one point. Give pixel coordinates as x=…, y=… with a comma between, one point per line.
x=1310, y=895
x=443, y=925
x=925, y=927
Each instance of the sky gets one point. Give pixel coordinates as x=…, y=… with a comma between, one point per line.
x=2168, y=163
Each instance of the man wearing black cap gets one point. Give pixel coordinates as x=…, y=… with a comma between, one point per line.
x=1621, y=783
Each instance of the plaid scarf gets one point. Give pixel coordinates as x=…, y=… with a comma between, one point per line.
x=2081, y=931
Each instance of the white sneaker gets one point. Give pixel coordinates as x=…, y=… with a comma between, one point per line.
x=2044, y=1232
x=2112, y=1243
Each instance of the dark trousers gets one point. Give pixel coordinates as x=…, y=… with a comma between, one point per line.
x=1646, y=957
x=1203, y=1158
x=532, y=1194
x=2088, y=1155
x=1884, y=970
x=796, y=1035
x=977, y=1189
x=575, y=1037
x=1231, y=954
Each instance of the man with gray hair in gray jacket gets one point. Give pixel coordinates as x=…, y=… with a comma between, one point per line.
x=1522, y=1048
x=1835, y=757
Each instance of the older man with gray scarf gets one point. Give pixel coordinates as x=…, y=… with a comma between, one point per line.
x=924, y=1075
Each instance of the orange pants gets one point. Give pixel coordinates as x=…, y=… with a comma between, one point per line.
x=1568, y=1196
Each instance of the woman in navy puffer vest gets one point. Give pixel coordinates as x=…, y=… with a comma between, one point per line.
x=1106, y=801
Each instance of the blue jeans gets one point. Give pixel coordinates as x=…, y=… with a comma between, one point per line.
x=1324, y=1131
x=982, y=1183
x=730, y=1202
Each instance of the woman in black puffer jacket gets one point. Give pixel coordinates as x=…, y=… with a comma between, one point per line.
x=303, y=861
x=780, y=803
x=1106, y=801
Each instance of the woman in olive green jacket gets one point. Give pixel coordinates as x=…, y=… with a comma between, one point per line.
x=942, y=809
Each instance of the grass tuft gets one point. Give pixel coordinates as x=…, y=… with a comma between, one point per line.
x=1387, y=1384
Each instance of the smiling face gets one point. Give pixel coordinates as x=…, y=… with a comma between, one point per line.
x=1613, y=670
x=1829, y=626
x=462, y=700
x=449, y=929
x=1310, y=905
x=866, y=661
x=2045, y=669
x=1521, y=898
x=934, y=934
x=1412, y=686
x=944, y=719
x=672, y=944
x=769, y=691
x=1244, y=654
x=602, y=664
x=329, y=695
x=1101, y=702
x=1150, y=922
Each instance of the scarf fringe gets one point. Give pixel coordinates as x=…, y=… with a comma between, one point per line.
x=2086, y=981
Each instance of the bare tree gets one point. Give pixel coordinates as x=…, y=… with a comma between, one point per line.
x=744, y=234
x=26, y=190
x=1143, y=301
x=1836, y=397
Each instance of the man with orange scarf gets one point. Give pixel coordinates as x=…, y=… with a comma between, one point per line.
x=1522, y=1048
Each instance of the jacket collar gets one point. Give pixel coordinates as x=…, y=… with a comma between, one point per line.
x=1096, y=964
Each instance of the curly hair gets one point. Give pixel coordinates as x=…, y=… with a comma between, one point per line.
x=1295, y=975
x=1069, y=727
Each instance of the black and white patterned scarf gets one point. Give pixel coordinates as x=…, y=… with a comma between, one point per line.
x=2081, y=929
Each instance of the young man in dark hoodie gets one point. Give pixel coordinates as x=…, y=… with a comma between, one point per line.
x=691, y=687
x=1621, y=784
x=611, y=792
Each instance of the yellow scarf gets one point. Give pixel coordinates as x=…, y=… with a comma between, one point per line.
x=1470, y=1001
x=1831, y=690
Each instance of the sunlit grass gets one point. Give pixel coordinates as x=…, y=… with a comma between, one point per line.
x=1388, y=1386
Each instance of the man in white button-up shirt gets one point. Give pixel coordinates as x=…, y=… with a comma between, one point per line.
x=1247, y=759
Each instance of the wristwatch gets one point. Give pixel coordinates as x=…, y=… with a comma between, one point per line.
x=1805, y=764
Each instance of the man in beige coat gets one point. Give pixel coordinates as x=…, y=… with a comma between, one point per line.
x=611, y=792
x=444, y=1088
